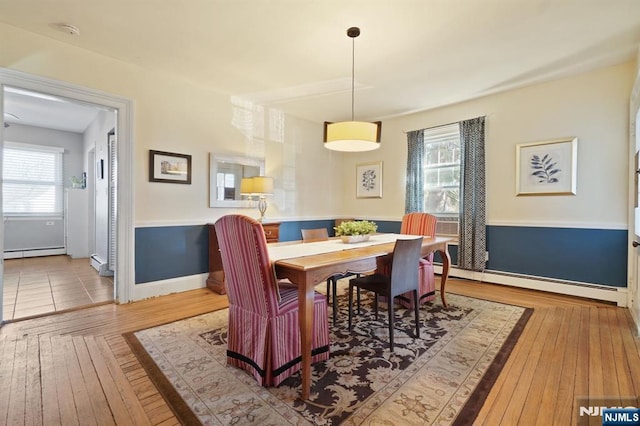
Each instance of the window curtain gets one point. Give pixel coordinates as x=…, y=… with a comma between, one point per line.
x=472, y=243
x=414, y=199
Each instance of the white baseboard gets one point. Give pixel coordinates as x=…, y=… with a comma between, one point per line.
x=607, y=294
x=164, y=287
x=617, y=295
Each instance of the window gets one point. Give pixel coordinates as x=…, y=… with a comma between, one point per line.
x=226, y=186
x=32, y=180
x=442, y=170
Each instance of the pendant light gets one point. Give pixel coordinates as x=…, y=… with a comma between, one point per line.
x=352, y=136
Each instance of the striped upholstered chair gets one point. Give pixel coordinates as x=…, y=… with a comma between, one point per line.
x=264, y=334
x=417, y=224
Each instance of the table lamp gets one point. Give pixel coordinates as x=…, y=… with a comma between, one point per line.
x=246, y=187
x=260, y=186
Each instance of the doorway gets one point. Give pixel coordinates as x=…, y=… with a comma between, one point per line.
x=122, y=229
x=47, y=209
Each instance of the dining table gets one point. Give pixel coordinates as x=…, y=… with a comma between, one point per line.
x=308, y=264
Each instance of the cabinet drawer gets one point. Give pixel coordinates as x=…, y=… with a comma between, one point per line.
x=272, y=232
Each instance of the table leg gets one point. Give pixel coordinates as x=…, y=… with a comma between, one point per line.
x=305, y=306
x=446, y=261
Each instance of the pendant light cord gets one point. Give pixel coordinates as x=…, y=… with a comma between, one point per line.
x=353, y=32
x=353, y=73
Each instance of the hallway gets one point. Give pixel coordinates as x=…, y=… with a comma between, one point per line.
x=40, y=285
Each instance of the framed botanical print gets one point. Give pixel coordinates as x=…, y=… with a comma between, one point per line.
x=547, y=167
x=369, y=180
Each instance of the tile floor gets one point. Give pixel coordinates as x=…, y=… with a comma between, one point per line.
x=40, y=285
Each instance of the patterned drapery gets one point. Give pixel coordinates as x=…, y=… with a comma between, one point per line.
x=472, y=243
x=414, y=199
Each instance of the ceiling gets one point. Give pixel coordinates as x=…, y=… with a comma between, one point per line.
x=41, y=110
x=294, y=55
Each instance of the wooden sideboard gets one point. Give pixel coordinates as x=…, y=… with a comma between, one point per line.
x=272, y=231
x=215, y=281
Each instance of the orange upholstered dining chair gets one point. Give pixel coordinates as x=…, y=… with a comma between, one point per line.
x=417, y=224
x=263, y=334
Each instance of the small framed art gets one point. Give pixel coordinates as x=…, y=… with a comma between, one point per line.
x=369, y=180
x=547, y=167
x=169, y=167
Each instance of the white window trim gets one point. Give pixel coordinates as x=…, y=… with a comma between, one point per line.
x=32, y=147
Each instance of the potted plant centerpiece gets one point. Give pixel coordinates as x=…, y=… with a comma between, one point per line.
x=355, y=231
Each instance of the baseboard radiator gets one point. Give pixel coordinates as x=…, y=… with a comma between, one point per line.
x=617, y=295
x=100, y=265
x=48, y=251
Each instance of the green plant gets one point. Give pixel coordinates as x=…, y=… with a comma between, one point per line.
x=77, y=182
x=359, y=227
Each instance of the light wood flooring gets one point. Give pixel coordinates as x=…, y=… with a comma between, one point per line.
x=40, y=285
x=76, y=368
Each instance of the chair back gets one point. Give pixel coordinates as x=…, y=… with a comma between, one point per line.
x=311, y=235
x=404, y=267
x=250, y=279
x=419, y=224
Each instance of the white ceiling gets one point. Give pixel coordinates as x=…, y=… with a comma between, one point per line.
x=294, y=55
x=41, y=110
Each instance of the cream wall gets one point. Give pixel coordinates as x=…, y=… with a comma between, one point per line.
x=592, y=106
x=172, y=114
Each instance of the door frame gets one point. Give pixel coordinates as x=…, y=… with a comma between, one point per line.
x=633, y=281
x=124, y=277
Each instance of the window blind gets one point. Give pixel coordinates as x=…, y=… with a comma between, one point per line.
x=32, y=180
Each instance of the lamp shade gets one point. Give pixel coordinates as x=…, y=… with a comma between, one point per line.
x=352, y=136
x=262, y=185
x=246, y=186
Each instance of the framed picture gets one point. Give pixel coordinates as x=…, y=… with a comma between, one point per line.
x=547, y=167
x=169, y=167
x=369, y=180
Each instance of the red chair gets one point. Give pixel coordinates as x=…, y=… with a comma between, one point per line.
x=264, y=334
x=417, y=224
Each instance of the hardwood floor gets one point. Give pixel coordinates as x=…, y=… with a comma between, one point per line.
x=76, y=368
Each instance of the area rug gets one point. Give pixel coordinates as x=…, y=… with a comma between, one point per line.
x=441, y=378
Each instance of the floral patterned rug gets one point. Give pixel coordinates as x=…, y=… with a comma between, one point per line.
x=441, y=378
